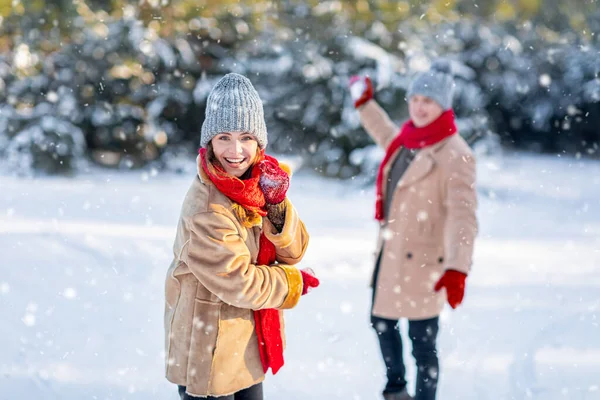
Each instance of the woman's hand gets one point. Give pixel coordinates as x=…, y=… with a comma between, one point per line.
x=309, y=280
x=274, y=182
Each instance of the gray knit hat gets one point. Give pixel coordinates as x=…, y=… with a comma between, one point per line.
x=234, y=106
x=437, y=84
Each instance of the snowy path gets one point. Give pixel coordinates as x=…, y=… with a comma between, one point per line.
x=83, y=264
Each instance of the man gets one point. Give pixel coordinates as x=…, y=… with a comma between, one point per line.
x=426, y=203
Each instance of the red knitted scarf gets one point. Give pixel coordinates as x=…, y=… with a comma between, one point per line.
x=412, y=137
x=247, y=193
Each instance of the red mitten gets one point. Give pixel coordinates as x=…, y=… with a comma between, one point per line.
x=361, y=90
x=454, y=282
x=274, y=182
x=309, y=280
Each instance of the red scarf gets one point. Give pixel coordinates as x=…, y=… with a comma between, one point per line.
x=412, y=137
x=247, y=193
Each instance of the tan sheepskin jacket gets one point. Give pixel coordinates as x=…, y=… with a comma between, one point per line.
x=213, y=285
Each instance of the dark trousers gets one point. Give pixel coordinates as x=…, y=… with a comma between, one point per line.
x=423, y=335
x=252, y=393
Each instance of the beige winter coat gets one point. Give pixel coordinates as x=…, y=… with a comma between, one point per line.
x=431, y=225
x=212, y=287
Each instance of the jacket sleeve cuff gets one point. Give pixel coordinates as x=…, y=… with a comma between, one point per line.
x=460, y=259
x=294, y=278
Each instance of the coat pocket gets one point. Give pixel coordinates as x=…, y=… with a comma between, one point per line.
x=424, y=266
x=236, y=360
x=205, y=333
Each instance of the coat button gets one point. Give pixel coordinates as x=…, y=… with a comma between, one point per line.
x=441, y=260
x=409, y=255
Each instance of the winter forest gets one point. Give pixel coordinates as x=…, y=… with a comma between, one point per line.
x=101, y=108
x=124, y=83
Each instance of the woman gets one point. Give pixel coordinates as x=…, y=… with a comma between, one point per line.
x=237, y=242
x=426, y=202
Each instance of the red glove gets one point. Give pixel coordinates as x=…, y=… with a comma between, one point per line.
x=361, y=90
x=309, y=280
x=454, y=282
x=274, y=182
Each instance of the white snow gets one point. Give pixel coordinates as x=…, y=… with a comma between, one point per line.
x=84, y=260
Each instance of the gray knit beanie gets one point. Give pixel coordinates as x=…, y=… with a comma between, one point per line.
x=234, y=106
x=437, y=84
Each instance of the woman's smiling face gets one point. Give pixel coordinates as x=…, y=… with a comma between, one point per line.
x=235, y=151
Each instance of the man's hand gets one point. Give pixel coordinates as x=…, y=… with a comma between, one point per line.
x=454, y=282
x=361, y=90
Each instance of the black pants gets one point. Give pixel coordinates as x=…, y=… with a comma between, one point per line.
x=252, y=393
x=423, y=335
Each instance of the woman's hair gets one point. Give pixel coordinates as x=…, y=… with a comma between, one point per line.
x=248, y=218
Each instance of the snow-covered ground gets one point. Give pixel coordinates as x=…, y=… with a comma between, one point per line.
x=83, y=263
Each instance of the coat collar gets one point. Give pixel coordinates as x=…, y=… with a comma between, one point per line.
x=434, y=149
x=200, y=172
x=422, y=164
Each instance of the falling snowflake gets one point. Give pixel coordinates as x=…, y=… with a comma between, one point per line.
x=69, y=293
x=545, y=80
x=198, y=323
x=381, y=326
x=29, y=320
x=52, y=97
x=572, y=110
x=346, y=308
x=433, y=372
x=387, y=234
